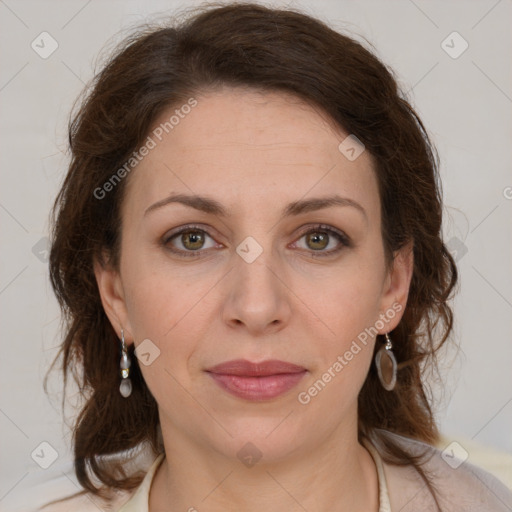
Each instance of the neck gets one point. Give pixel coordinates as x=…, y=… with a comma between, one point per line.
x=340, y=475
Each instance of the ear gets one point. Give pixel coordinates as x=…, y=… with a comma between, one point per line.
x=112, y=296
x=396, y=286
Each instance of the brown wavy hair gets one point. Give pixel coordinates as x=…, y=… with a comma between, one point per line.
x=266, y=49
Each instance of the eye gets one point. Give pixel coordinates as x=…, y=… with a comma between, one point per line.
x=324, y=240
x=320, y=240
x=189, y=240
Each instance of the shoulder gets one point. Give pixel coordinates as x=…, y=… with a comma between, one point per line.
x=88, y=502
x=460, y=485
x=111, y=500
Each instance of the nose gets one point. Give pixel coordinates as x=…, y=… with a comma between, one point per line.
x=258, y=298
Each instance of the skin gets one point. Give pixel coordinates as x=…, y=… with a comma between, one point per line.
x=255, y=153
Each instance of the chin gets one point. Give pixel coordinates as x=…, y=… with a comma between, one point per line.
x=268, y=440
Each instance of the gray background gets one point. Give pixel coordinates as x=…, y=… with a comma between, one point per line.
x=465, y=103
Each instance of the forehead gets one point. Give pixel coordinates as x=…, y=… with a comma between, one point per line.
x=246, y=148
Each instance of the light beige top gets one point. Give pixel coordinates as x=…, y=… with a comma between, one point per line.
x=140, y=499
x=461, y=487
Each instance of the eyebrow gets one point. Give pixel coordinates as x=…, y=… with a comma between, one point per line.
x=211, y=206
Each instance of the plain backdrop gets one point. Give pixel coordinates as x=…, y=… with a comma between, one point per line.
x=463, y=95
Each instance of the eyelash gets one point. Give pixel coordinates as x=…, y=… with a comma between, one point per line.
x=319, y=228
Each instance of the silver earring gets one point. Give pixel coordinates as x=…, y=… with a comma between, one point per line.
x=385, y=362
x=125, y=387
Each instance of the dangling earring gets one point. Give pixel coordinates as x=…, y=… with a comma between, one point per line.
x=125, y=387
x=386, y=365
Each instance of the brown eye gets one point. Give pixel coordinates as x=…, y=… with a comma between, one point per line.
x=189, y=241
x=323, y=241
x=317, y=241
x=192, y=240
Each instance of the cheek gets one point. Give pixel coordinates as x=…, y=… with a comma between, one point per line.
x=350, y=303
x=349, y=307
x=165, y=314
x=172, y=309
x=344, y=355
x=168, y=315
x=332, y=393
x=159, y=296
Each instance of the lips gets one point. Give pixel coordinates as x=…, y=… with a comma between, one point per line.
x=245, y=368
x=256, y=381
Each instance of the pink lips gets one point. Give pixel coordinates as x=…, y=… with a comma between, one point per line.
x=257, y=381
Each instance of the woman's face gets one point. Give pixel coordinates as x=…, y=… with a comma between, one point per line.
x=276, y=275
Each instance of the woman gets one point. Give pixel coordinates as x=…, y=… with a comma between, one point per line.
x=248, y=251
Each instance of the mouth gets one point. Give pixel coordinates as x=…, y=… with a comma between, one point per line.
x=256, y=381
